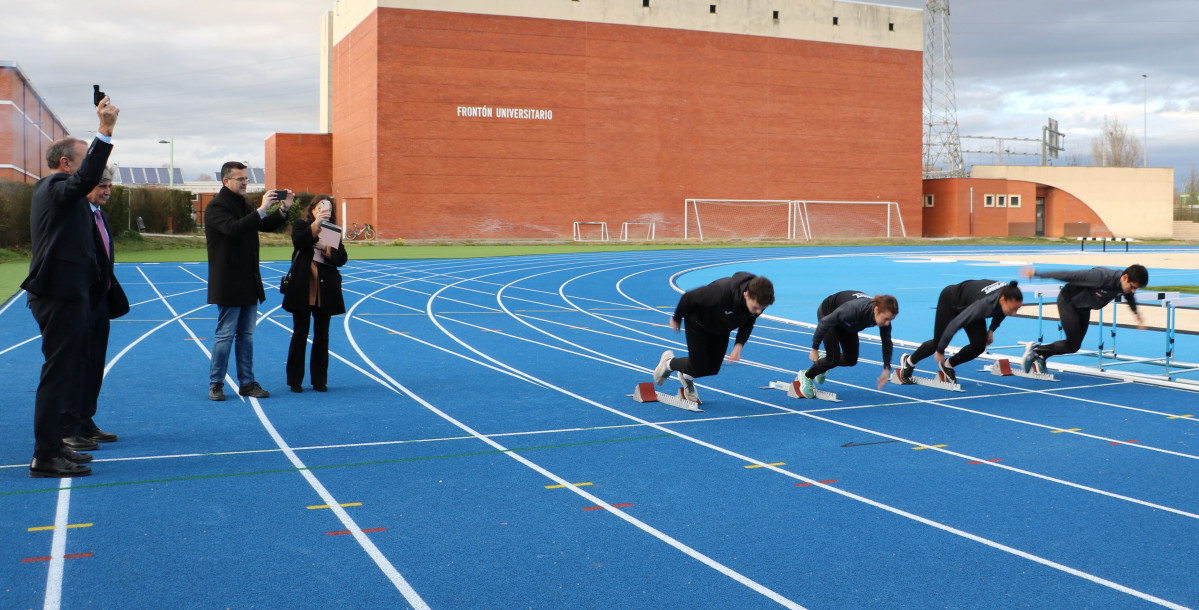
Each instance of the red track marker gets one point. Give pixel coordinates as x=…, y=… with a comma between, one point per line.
x=990, y=460
x=1123, y=442
x=613, y=506
x=825, y=482
x=346, y=532
x=73, y=556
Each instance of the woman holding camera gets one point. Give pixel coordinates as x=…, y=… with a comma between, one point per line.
x=314, y=292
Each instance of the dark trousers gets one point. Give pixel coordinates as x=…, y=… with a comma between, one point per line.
x=840, y=349
x=299, y=341
x=66, y=346
x=976, y=331
x=75, y=424
x=705, y=352
x=1075, y=321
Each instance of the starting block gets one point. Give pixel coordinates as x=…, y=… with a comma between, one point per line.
x=792, y=390
x=1004, y=368
x=939, y=382
x=646, y=392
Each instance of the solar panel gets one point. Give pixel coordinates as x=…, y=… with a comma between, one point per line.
x=139, y=175
x=126, y=175
x=164, y=175
x=259, y=175
x=178, y=176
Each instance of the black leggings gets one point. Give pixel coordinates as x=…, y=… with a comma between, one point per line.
x=299, y=341
x=705, y=352
x=1075, y=321
x=840, y=349
x=976, y=331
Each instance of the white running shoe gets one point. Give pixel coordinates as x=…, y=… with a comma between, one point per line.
x=948, y=372
x=662, y=372
x=1030, y=357
x=689, y=391
x=906, y=368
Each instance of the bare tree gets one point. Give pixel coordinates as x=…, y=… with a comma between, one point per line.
x=1115, y=146
x=1189, y=195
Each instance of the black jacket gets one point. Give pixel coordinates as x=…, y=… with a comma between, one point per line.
x=972, y=300
x=65, y=263
x=231, y=227
x=719, y=307
x=296, y=299
x=1091, y=288
x=850, y=311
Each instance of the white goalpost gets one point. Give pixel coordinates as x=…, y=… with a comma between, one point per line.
x=789, y=219
x=739, y=219
x=851, y=219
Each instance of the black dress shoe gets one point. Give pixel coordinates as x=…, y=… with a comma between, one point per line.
x=78, y=443
x=320, y=388
x=297, y=389
x=99, y=436
x=57, y=468
x=75, y=456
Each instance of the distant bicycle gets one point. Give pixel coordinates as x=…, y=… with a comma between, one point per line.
x=365, y=232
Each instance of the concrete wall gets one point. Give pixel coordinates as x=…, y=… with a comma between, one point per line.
x=627, y=121
x=1129, y=201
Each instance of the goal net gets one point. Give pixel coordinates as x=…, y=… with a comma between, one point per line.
x=719, y=219
x=850, y=219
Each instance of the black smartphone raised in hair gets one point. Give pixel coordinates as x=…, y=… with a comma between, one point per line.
x=97, y=95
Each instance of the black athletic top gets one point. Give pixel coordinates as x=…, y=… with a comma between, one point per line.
x=719, y=307
x=1091, y=288
x=850, y=311
x=973, y=300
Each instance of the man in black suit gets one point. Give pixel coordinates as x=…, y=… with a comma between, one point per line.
x=66, y=282
x=79, y=429
x=231, y=228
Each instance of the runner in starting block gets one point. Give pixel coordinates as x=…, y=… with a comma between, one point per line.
x=962, y=306
x=711, y=313
x=841, y=316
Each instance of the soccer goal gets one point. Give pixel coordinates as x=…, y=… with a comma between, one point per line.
x=850, y=219
x=640, y=231
x=590, y=231
x=750, y=219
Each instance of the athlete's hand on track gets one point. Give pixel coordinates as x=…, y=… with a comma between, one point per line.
x=882, y=380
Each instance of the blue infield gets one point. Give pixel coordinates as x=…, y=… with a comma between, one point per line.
x=479, y=448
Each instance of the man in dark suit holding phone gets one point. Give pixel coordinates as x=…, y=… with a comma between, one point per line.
x=69, y=276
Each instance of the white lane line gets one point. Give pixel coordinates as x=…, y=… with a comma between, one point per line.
x=58, y=547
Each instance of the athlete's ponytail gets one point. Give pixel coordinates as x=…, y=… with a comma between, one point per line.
x=1012, y=293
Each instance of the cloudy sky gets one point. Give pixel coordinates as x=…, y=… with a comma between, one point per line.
x=220, y=76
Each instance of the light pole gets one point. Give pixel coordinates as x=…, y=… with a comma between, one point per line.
x=171, y=179
x=1145, y=126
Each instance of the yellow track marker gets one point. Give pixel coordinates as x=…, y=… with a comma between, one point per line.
x=50, y=527
x=1066, y=430
x=563, y=486
x=760, y=466
x=341, y=505
x=1179, y=416
x=927, y=447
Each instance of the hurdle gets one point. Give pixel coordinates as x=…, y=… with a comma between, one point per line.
x=646, y=392
x=1082, y=242
x=792, y=390
x=1172, y=306
x=939, y=382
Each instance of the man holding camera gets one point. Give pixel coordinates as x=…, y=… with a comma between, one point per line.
x=70, y=275
x=231, y=228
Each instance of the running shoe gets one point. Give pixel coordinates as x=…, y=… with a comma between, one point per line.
x=820, y=378
x=689, y=391
x=906, y=368
x=947, y=372
x=1039, y=366
x=1030, y=356
x=805, y=385
x=662, y=372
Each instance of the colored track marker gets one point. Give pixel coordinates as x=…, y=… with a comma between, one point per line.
x=927, y=447
x=1124, y=442
x=772, y=464
x=564, y=486
x=613, y=506
x=48, y=558
x=984, y=461
x=824, y=482
x=46, y=528
x=347, y=532
x=1179, y=416
x=1066, y=430
x=347, y=504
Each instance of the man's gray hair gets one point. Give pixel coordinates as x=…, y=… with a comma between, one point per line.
x=109, y=172
x=64, y=147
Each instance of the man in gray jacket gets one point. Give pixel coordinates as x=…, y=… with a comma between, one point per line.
x=1084, y=291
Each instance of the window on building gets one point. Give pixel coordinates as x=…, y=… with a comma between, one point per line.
x=1001, y=201
x=834, y=21
x=1013, y=201
x=890, y=27
x=712, y=8
x=988, y=201
x=928, y=200
x=645, y=3
x=776, y=15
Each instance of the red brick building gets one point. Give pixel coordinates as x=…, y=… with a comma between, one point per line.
x=27, y=126
x=476, y=119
